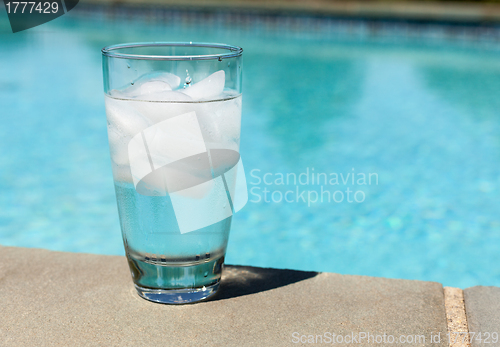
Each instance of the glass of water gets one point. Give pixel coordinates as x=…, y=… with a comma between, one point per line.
x=174, y=117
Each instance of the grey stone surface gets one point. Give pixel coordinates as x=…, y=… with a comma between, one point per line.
x=482, y=305
x=70, y=299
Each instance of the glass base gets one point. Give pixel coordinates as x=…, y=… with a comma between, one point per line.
x=177, y=296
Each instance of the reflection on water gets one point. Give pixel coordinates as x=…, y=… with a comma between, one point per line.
x=473, y=88
x=315, y=92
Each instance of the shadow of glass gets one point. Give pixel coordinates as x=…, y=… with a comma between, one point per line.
x=246, y=280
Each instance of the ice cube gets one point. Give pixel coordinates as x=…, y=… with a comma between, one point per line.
x=208, y=88
x=147, y=84
x=223, y=160
x=139, y=159
x=167, y=77
x=171, y=104
x=124, y=122
x=165, y=95
x=150, y=87
x=118, y=149
x=127, y=120
x=118, y=94
x=220, y=123
x=174, y=139
x=141, y=90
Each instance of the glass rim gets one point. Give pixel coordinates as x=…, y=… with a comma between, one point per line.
x=232, y=51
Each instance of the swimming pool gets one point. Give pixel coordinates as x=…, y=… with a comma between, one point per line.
x=417, y=112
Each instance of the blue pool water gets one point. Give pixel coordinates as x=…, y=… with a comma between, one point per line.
x=420, y=113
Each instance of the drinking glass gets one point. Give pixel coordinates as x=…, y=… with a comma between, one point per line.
x=174, y=117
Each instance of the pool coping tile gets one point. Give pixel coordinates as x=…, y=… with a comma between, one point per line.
x=80, y=299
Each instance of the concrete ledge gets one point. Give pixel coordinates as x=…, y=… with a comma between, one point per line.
x=482, y=305
x=71, y=299
x=447, y=11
